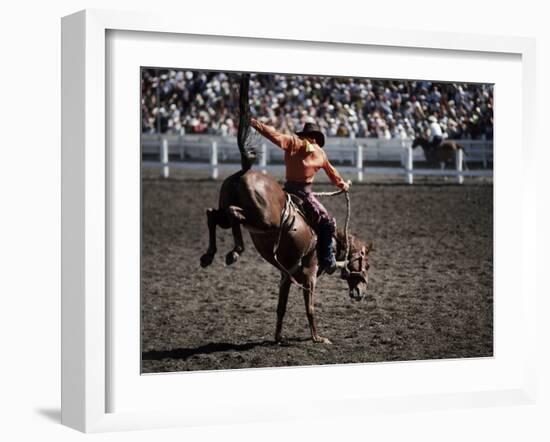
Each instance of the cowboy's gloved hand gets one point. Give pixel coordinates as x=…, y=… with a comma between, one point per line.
x=346, y=186
x=254, y=123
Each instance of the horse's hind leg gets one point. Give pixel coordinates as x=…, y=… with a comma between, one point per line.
x=442, y=168
x=236, y=217
x=238, y=248
x=212, y=220
x=284, y=288
x=464, y=162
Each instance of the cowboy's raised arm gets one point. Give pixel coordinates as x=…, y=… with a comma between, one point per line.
x=334, y=176
x=285, y=142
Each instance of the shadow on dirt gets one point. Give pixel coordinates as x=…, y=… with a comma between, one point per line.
x=214, y=347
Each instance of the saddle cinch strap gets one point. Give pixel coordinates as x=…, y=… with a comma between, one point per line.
x=288, y=218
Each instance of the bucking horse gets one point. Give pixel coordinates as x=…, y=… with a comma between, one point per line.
x=279, y=230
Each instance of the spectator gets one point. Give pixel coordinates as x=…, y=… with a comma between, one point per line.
x=180, y=101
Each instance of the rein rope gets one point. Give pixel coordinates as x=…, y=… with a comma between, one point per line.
x=284, y=216
x=348, y=216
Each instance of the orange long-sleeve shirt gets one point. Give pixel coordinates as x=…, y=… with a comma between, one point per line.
x=301, y=166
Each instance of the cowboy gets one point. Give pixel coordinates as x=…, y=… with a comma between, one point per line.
x=436, y=133
x=304, y=157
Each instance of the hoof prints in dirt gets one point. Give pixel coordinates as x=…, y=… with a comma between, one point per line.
x=430, y=290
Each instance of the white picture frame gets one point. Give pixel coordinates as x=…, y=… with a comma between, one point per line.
x=86, y=205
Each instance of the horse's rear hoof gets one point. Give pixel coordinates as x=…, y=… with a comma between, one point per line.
x=231, y=258
x=207, y=259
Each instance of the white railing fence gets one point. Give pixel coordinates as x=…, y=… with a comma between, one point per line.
x=359, y=156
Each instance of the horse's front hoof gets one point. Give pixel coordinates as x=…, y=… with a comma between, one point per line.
x=279, y=340
x=231, y=258
x=207, y=259
x=321, y=340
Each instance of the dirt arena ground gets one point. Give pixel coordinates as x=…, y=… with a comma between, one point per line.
x=430, y=292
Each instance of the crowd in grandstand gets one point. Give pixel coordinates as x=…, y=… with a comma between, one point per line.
x=180, y=102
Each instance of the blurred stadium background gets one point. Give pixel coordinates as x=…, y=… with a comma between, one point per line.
x=189, y=121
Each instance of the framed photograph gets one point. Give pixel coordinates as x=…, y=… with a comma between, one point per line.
x=210, y=274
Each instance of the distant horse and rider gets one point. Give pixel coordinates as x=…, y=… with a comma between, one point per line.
x=290, y=229
x=438, y=151
x=440, y=154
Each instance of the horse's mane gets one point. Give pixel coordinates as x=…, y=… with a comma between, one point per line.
x=245, y=137
x=341, y=244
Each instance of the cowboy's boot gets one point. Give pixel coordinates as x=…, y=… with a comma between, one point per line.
x=327, y=260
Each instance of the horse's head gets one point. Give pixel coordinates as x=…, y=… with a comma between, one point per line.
x=355, y=269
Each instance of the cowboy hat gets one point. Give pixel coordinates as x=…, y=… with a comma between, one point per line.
x=314, y=131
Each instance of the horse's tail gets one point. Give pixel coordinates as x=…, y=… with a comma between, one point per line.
x=461, y=147
x=244, y=138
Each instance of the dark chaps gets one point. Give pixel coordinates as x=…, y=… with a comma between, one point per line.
x=318, y=217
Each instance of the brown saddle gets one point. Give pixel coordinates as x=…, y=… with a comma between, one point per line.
x=298, y=204
x=292, y=209
x=296, y=200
